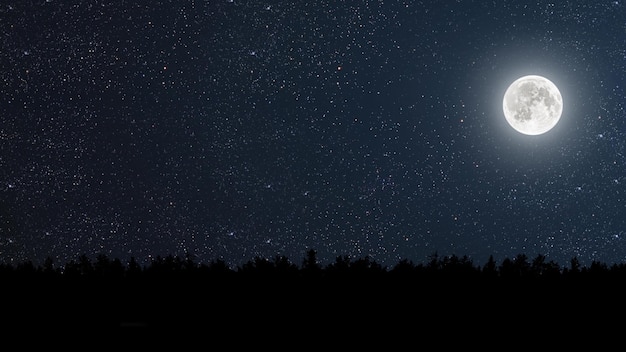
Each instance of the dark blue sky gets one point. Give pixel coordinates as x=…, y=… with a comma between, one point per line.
x=235, y=129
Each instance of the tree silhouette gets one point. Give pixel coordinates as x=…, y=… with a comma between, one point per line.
x=490, y=269
x=166, y=286
x=310, y=265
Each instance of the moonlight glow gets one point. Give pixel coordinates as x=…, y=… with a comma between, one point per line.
x=532, y=105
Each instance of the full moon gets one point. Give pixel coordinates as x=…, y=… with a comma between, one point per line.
x=532, y=105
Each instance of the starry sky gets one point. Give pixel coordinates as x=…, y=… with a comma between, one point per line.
x=231, y=129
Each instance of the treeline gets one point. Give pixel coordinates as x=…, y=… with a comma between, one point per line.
x=451, y=266
x=274, y=293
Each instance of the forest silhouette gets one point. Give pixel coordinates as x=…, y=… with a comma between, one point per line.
x=178, y=292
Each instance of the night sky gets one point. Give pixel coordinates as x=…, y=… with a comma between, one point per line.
x=232, y=129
